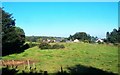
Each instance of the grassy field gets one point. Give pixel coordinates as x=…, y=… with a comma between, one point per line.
x=100, y=56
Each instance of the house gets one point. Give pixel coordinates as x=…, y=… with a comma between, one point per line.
x=59, y=39
x=69, y=41
x=99, y=40
x=76, y=40
x=46, y=40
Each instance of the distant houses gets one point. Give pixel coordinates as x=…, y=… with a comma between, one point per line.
x=57, y=40
x=53, y=40
x=48, y=40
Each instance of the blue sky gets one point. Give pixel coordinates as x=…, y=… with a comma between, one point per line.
x=59, y=0
x=64, y=18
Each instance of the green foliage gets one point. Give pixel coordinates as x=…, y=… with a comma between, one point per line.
x=82, y=36
x=93, y=39
x=71, y=38
x=7, y=20
x=57, y=46
x=62, y=46
x=33, y=39
x=12, y=37
x=44, y=45
x=86, y=41
x=113, y=37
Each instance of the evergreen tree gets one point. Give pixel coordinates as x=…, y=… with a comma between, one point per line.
x=12, y=37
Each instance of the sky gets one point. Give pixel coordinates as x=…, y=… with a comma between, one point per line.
x=59, y=0
x=62, y=19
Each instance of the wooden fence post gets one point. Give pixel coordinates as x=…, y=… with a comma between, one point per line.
x=28, y=62
x=34, y=65
x=1, y=62
x=13, y=63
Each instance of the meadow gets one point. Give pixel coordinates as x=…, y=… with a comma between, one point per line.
x=100, y=56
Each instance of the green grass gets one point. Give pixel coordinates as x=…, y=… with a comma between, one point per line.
x=100, y=56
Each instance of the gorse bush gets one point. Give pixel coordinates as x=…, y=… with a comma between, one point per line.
x=44, y=45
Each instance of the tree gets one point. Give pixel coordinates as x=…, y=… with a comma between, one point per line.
x=93, y=39
x=119, y=35
x=12, y=37
x=7, y=20
x=107, y=37
x=33, y=38
x=113, y=37
x=82, y=36
x=70, y=37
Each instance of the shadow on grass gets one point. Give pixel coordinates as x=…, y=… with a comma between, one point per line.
x=84, y=70
x=75, y=70
x=9, y=49
x=7, y=71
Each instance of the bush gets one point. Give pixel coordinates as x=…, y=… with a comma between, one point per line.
x=44, y=45
x=62, y=46
x=116, y=44
x=86, y=41
x=57, y=46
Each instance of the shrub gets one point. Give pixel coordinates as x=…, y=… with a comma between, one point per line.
x=57, y=46
x=86, y=41
x=44, y=45
x=62, y=46
x=116, y=44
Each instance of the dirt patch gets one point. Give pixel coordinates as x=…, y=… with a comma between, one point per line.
x=15, y=62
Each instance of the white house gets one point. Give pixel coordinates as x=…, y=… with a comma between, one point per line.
x=99, y=40
x=48, y=40
x=76, y=40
